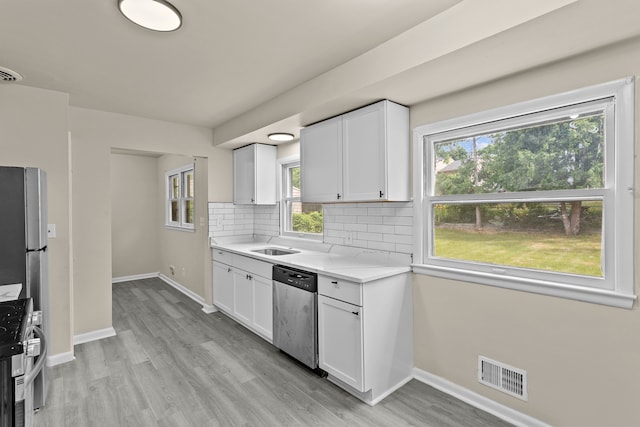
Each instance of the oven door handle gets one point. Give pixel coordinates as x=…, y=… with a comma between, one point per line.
x=33, y=373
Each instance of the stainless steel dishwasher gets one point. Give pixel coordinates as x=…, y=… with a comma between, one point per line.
x=295, y=309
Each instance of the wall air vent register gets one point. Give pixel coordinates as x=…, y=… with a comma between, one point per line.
x=502, y=377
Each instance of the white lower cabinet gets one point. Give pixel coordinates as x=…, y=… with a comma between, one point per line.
x=340, y=340
x=365, y=334
x=243, y=297
x=242, y=290
x=223, y=289
x=263, y=306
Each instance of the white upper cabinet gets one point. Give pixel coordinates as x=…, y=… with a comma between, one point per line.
x=254, y=175
x=359, y=156
x=321, y=160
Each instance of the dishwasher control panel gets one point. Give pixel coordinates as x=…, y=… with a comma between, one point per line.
x=297, y=278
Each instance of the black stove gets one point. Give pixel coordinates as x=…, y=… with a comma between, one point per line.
x=14, y=316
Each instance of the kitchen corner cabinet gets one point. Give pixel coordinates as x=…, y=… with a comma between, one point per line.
x=365, y=334
x=360, y=156
x=254, y=175
x=242, y=289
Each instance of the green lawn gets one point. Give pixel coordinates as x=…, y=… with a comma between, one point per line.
x=542, y=251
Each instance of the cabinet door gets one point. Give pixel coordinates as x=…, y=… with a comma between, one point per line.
x=243, y=296
x=265, y=174
x=364, y=154
x=340, y=340
x=223, y=287
x=321, y=161
x=244, y=178
x=263, y=306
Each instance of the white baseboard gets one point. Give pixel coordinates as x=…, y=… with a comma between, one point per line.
x=472, y=398
x=60, y=358
x=188, y=292
x=93, y=335
x=134, y=277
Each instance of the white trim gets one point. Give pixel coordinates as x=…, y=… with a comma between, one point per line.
x=60, y=358
x=189, y=293
x=617, y=287
x=180, y=173
x=282, y=163
x=474, y=399
x=94, y=335
x=134, y=277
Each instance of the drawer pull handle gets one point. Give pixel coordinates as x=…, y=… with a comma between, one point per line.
x=335, y=282
x=355, y=312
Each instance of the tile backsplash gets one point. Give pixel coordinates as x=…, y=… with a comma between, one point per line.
x=381, y=226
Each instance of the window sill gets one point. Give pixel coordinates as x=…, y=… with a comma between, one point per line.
x=303, y=236
x=577, y=293
x=173, y=227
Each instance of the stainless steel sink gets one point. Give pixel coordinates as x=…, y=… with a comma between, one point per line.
x=275, y=251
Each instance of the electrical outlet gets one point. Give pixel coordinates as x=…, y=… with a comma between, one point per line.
x=349, y=238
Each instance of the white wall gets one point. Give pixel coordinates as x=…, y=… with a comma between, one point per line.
x=134, y=215
x=581, y=358
x=34, y=132
x=94, y=134
x=184, y=249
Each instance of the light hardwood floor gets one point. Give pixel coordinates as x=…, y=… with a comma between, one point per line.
x=173, y=365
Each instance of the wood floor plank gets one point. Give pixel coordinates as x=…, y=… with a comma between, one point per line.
x=171, y=364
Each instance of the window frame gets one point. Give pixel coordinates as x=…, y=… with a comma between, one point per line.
x=182, y=174
x=283, y=184
x=616, y=288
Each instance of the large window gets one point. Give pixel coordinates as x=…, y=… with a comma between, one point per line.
x=297, y=218
x=180, y=198
x=536, y=196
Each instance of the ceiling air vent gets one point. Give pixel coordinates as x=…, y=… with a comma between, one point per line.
x=9, y=76
x=502, y=377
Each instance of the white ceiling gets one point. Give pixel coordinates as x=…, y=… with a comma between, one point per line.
x=247, y=67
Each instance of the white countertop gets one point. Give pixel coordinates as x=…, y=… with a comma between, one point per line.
x=354, y=264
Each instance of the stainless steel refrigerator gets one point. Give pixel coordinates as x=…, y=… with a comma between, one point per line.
x=23, y=248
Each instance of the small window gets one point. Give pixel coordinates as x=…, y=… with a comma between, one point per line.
x=181, y=198
x=297, y=218
x=534, y=196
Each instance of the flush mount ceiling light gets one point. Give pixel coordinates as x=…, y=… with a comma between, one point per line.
x=281, y=136
x=157, y=15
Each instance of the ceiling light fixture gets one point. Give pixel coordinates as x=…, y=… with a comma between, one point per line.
x=281, y=136
x=157, y=15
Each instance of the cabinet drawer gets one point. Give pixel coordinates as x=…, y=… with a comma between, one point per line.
x=222, y=256
x=253, y=266
x=342, y=290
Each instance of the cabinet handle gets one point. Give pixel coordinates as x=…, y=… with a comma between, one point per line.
x=335, y=282
x=249, y=277
x=355, y=312
x=338, y=195
x=228, y=269
x=381, y=194
x=252, y=200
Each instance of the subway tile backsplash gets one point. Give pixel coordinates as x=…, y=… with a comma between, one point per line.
x=381, y=226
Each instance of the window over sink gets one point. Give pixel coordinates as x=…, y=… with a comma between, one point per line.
x=297, y=219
